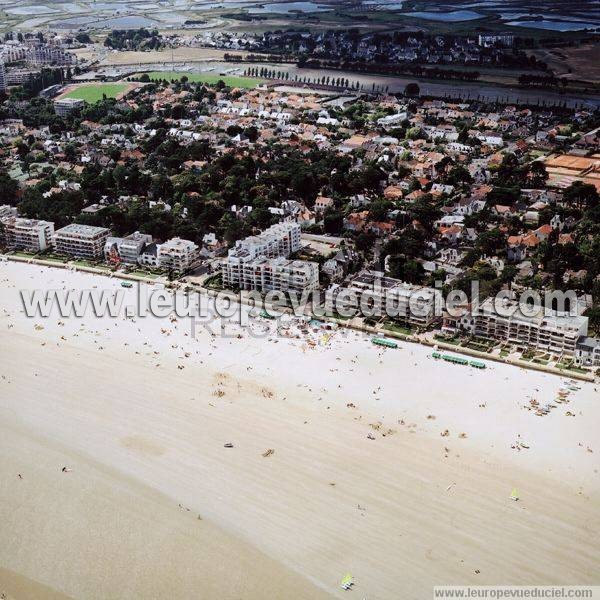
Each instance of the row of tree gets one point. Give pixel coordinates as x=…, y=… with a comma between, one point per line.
x=134, y=39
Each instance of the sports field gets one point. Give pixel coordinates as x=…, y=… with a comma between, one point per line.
x=93, y=92
x=229, y=80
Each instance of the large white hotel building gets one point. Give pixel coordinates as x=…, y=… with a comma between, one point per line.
x=84, y=241
x=371, y=292
x=259, y=262
x=30, y=235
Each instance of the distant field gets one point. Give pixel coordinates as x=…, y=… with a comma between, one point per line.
x=229, y=80
x=579, y=62
x=93, y=92
x=132, y=57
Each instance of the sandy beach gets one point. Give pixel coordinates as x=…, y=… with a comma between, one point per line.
x=385, y=464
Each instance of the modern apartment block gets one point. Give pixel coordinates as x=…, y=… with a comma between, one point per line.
x=42, y=54
x=372, y=292
x=279, y=274
x=127, y=249
x=6, y=211
x=27, y=234
x=554, y=333
x=65, y=106
x=11, y=52
x=504, y=39
x=278, y=241
x=281, y=239
x=20, y=76
x=84, y=241
x=177, y=254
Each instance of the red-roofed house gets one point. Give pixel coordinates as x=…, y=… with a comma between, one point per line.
x=565, y=238
x=543, y=232
x=322, y=203
x=356, y=221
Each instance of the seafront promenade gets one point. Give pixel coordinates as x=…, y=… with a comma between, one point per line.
x=356, y=324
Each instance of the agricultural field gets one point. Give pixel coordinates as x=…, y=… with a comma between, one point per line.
x=229, y=80
x=578, y=63
x=152, y=57
x=93, y=92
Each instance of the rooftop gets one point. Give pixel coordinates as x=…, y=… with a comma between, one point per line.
x=76, y=229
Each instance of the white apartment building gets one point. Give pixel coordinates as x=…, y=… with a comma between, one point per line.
x=42, y=54
x=7, y=211
x=19, y=76
x=2, y=77
x=279, y=240
x=370, y=292
x=554, y=333
x=127, y=249
x=27, y=234
x=177, y=254
x=84, y=241
x=65, y=106
x=278, y=274
x=504, y=39
x=12, y=53
x=36, y=53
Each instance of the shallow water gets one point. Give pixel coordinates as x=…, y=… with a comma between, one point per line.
x=453, y=15
x=288, y=7
x=555, y=25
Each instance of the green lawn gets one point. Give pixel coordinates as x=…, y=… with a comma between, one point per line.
x=93, y=92
x=455, y=341
x=81, y=262
x=229, y=80
x=214, y=282
x=397, y=328
x=146, y=274
x=569, y=366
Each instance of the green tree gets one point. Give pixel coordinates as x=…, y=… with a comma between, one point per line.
x=459, y=175
x=8, y=189
x=333, y=222
x=412, y=89
x=582, y=195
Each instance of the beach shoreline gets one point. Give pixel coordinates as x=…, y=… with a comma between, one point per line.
x=362, y=478
x=346, y=323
